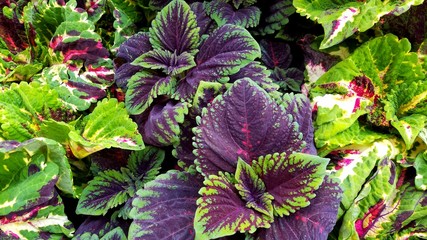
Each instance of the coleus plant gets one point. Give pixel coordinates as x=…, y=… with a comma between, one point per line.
x=160, y=67
x=214, y=147
x=250, y=182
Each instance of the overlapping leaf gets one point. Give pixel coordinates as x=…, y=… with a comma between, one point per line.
x=245, y=122
x=161, y=211
x=162, y=126
x=226, y=50
x=107, y=126
x=80, y=68
x=223, y=13
x=230, y=214
x=112, y=188
x=342, y=19
x=313, y=222
x=16, y=157
x=353, y=164
x=24, y=107
x=290, y=179
x=30, y=205
x=372, y=210
x=381, y=79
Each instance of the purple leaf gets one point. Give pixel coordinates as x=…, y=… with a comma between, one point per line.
x=145, y=164
x=144, y=87
x=205, y=23
x=205, y=94
x=257, y=73
x=313, y=222
x=161, y=212
x=167, y=34
x=135, y=46
x=124, y=74
x=289, y=80
x=87, y=50
x=291, y=179
x=132, y=48
x=223, y=13
x=300, y=106
x=162, y=126
x=252, y=189
x=108, y=159
x=225, y=52
x=12, y=30
x=170, y=63
x=245, y=122
x=101, y=225
x=221, y=211
x=275, y=54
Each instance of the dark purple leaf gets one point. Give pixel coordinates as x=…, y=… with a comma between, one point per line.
x=257, y=73
x=314, y=222
x=124, y=73
x=100, y=226
x=316, y=62
x=167, y=34
x=412, y=24
x=161, y=212
x=205, y=23
x=205, y=94
x=145, y=164
x=289, y=80
x=170, y=63
x=275, y=54
x=162, y=126
x=221, y=211
x=300, y=106
x=224, y=13
x=12, y=30
x=108, y=159
x=134, y=47
x=245, y=122
x=224, y=53
x=144, y=87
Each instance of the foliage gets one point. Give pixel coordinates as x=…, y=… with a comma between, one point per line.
x=206, y=119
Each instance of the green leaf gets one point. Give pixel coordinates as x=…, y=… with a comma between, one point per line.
x=353, y=165
x=381, y=79
x=14, y=199
x=373, y=208
x=107, y=126
x=420, y=166
x=107, y=190
x=35, y=151
x=341, y=19
x=24, y=107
